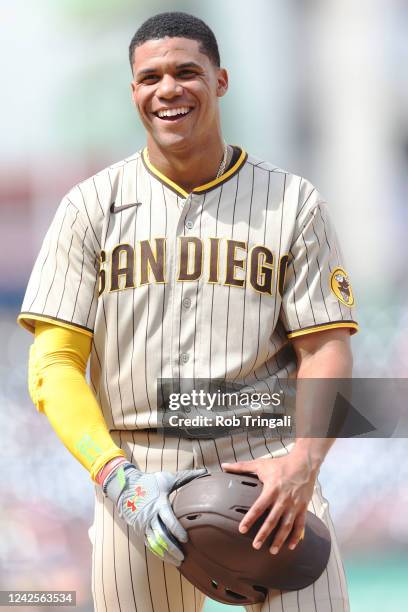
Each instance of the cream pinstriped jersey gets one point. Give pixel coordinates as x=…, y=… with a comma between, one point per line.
x=210, y=284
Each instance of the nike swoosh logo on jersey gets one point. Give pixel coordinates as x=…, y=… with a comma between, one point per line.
x=116, y=209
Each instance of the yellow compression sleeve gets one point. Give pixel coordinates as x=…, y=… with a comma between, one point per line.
x=58, y=387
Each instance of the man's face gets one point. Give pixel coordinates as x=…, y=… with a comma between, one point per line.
x=176, y=90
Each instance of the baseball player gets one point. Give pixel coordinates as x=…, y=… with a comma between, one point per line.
x=190, y=259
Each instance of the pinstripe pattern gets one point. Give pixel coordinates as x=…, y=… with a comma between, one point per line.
x=147, y=305
x=118, y=351
x=187, y=329
x=127, y=577
x=68, y=261
x=238, y=374
x=148, y=332
x=56, y=261
x=196, y=296
x=162, y=354
x=229, y=289
x=329, y=592
x=133, y=374
x=210, y=361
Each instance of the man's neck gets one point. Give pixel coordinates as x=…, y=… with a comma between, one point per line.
x=189, y=168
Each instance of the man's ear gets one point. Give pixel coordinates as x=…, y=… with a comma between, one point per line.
x=133, y=90
x=222, y=82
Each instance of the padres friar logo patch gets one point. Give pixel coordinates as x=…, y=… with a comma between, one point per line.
x=340, y=285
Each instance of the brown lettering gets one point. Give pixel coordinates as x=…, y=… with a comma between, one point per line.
x=151, y=261
x=185, y=274
x=233, y=262
x=127, y=270
x=261, y=269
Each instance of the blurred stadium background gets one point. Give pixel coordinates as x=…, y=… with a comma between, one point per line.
x=317, y=87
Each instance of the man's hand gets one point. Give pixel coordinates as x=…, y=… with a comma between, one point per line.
x=288, y=487
x=289, y=481
x=143, y=502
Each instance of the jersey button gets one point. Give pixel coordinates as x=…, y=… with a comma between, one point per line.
x=184, y=357
x=189, y=224
x=186, y=302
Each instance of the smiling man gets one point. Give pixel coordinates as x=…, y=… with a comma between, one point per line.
x=188, y=260
x=176, y=89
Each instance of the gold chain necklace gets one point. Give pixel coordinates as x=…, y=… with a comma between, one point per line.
x=223, y=163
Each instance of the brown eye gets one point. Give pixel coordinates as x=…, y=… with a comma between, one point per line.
x=150, y=79
x=186, y=74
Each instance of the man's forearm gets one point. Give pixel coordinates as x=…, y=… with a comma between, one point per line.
x=312, y=451
x=59, y=388
x=315, y=402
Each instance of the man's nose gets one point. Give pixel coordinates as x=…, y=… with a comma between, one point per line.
x=169, y=87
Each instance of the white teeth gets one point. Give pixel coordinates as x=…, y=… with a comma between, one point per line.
x=172, y=112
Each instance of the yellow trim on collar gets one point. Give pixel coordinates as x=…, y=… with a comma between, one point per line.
x=199, y=189
x=224, y=176
x=161, y=176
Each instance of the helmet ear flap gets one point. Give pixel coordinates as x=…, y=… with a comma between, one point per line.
x=221, y=562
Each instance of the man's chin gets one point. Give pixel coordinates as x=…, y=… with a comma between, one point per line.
x=173, y=142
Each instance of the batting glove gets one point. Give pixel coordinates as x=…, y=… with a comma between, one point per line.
x=143, y=502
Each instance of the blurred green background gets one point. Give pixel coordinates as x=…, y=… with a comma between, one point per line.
x=317, y=87
x=374, y=584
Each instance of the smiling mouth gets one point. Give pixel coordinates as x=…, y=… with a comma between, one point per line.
x=173, y=114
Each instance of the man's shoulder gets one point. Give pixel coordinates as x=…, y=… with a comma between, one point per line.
x=304, y=183
x=94, y=195
x=262, y=164
x=303, y=194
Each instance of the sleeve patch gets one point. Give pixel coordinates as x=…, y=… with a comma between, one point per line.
x=341, y=287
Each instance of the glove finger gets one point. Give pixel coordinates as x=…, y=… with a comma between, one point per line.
x=157, y=544
x=169, y=519
x=165, y=539
x=184, y=476
x=152, y=544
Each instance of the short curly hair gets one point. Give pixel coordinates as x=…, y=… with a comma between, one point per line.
x=176, y=24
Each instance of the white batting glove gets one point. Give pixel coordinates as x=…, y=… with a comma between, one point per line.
x=143, y=502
